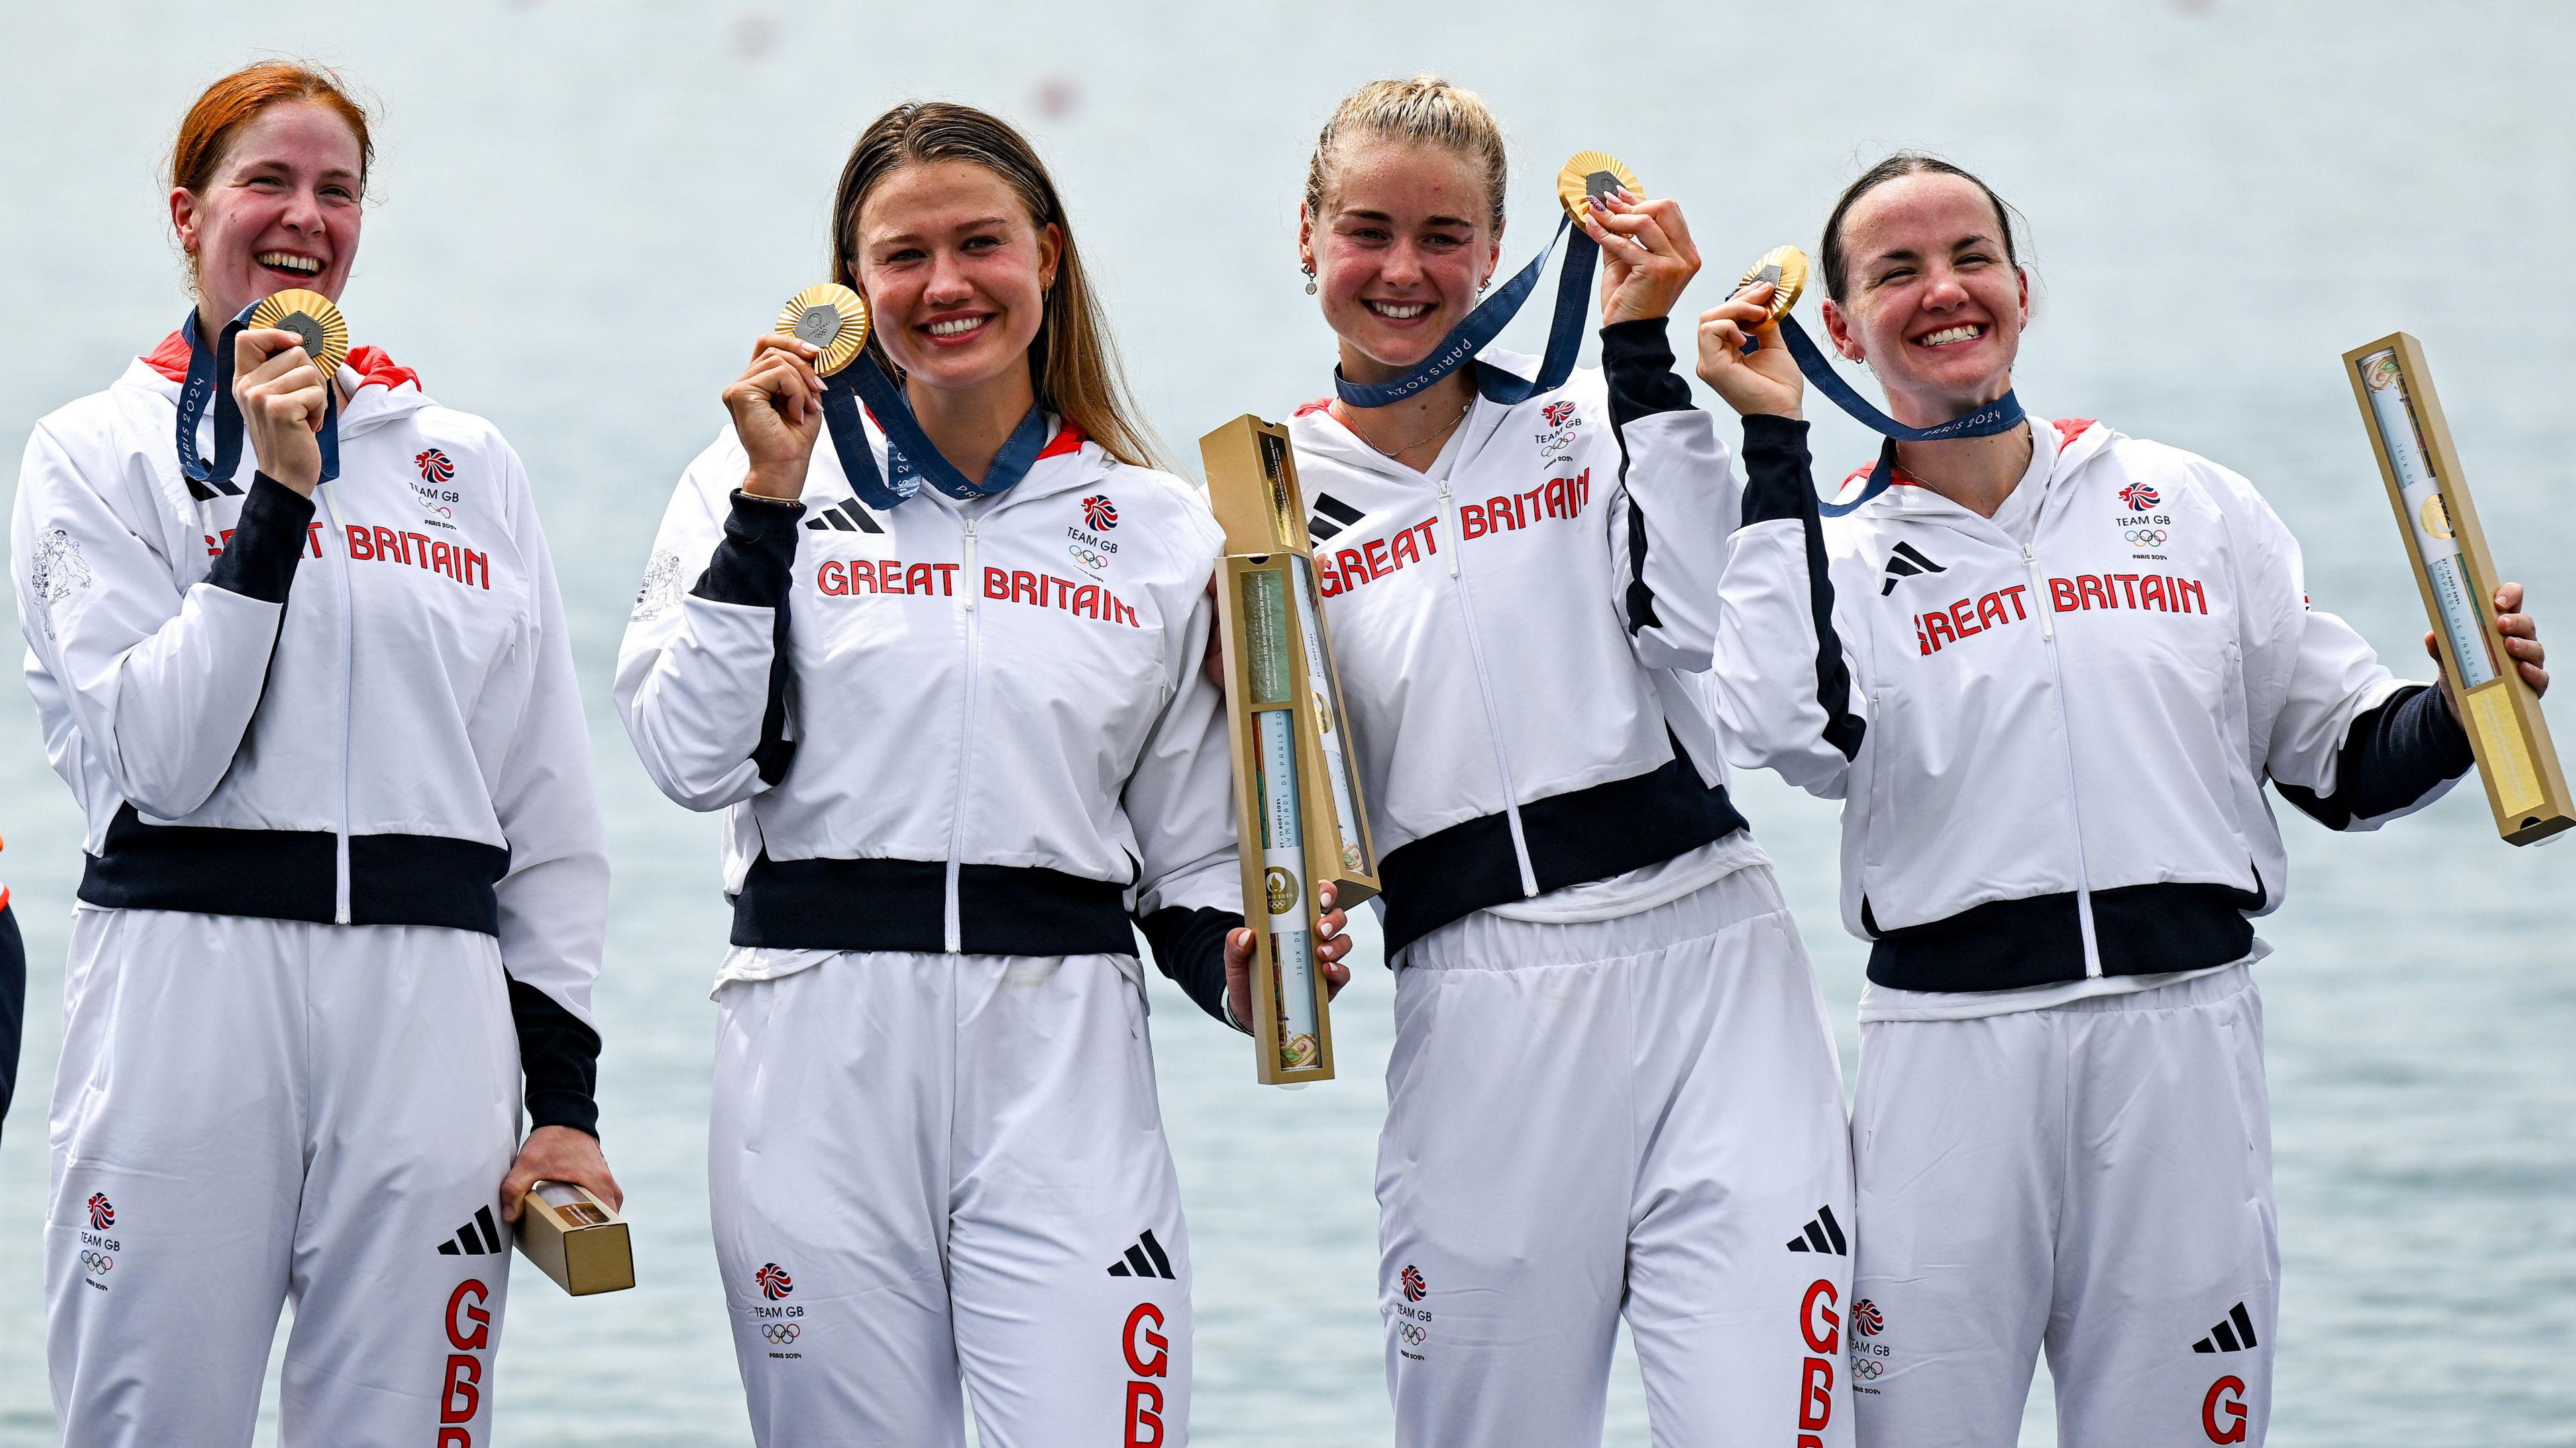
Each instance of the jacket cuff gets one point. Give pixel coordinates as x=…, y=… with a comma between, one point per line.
x=1189, y=946
x=755, y=562
x=1638, y=361
x=268, y=539
x=1779, y=481
x=559, y=1056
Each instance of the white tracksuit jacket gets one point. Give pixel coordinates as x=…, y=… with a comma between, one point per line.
x=990, y=734
x=398, y=743
x=1514, y=654
x=2051, y=760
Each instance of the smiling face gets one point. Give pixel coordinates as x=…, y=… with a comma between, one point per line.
x=955, y=271
x=1932, y=303
x=1404, y=241
x=282, y=210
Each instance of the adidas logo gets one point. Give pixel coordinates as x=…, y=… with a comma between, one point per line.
x=845, y=515
x=1906, y=563
x=1331, y=516
x=1144, y=1259
x=207, y=492
x=1824, y=1234
x=2234, y=1334
x=467, y=1244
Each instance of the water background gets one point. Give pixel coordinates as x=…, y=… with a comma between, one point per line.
x=585, y=211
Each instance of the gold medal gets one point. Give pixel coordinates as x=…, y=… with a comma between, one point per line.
x=830, y=316
x=1785, y=268
x=1592, y=174
x=311, y=317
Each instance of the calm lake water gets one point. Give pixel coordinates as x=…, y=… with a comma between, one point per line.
x=585, y=211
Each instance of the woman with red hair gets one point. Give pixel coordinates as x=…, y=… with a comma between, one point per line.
x=345, y=880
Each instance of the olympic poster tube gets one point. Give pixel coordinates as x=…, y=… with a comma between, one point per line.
x=1283, y=866
x=2428, y=518
x=1328, y=717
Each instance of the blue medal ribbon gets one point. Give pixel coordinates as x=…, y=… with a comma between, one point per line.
x=2001, y=415
x=911, y=457
x=1486, y=322
x=210, y=381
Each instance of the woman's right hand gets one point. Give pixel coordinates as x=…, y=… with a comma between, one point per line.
x=283, y=399
x=1764, y=381
x=777, y=407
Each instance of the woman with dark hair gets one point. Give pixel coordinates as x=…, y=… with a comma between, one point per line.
x=2048, y=669
x=346, y=881
x=962, y=740
x=1613, y=1094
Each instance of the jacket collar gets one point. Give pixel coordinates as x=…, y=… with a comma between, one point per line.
x=377, y=388
x=1325, y=435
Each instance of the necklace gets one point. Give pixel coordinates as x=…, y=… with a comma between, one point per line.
x=1343, y=413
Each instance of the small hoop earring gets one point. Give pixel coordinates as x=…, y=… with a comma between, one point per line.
x=1310, y=279
x=1480, y=286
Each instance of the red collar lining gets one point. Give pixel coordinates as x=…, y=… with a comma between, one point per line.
x=373, y=367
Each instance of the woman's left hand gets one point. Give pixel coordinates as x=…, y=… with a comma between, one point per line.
x=559, y=1154
x=1330, y=946
x=2521, y=639
x=1646, y=254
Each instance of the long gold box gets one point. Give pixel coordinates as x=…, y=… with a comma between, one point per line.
x=2526, y=787
x=575, y=1239
x=1300, y=809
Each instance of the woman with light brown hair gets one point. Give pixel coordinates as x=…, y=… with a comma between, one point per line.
x=346, y=882
x=1612, y=1093
x=944, y=682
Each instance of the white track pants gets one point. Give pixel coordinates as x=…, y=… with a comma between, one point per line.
x=2095, y=1179
x=1639, y=1115
x=932, y=1166
x=249, y=1111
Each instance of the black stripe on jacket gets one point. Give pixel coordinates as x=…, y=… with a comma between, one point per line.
x=1637, y=362
x=2038, y=940
x=1574, y=838
x=754, y=566
x=1780, y=485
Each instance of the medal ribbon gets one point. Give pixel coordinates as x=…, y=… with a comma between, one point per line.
x=2001, y=415
x=210, y=380
x=911, y=457
x=1486, y=322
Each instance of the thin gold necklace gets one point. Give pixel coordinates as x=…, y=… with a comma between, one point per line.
x=1383, y=450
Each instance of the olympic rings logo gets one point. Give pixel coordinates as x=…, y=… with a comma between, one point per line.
x=2147, y=537
x=97, y=1263
x=1086, y=557
x=780, y=1333
x=1411, y=1333
x=1867, y=1368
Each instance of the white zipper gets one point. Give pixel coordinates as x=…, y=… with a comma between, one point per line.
x=955, y=930
x=1485, y=687
x=348, y=699
x=2066, y=743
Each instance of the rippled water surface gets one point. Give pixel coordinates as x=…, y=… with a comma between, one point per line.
x=585, y=211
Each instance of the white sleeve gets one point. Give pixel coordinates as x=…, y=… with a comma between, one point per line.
x=160, y=681
x=1180, y=798
x=1679, y=496
x=694, y=672
x=554, y=900
x=1785, y=687
x=2309, y=675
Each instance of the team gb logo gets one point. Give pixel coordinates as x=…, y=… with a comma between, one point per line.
x=1099, y=512
x=434, y=466
x=1558, y=414
x=2138, y=497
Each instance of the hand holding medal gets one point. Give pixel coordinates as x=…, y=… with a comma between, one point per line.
x=1742, y=355
x=1646, y=250
x=286, y=350
x=777, y=402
